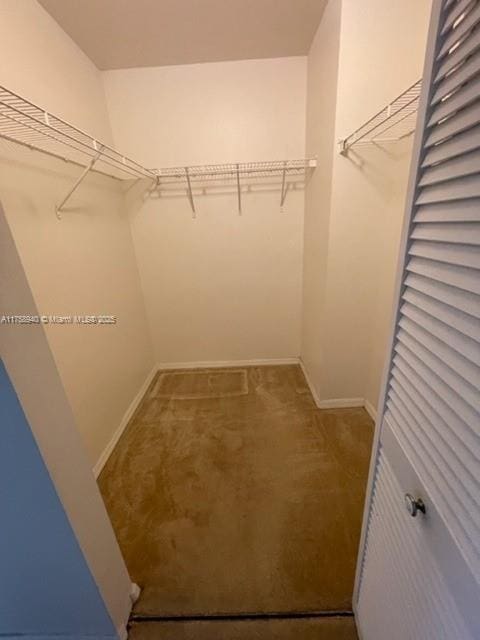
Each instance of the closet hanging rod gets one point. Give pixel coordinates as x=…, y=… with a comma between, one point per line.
x=394, y=122
x=26, y=123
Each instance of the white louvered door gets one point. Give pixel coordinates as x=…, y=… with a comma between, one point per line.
x=418, y=578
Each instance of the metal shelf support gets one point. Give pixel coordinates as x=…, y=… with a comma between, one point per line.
x=190, y=193
x=283, y=194
x=59, y=208
x=239, y=191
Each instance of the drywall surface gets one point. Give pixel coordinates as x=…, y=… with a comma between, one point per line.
x=30, y=365
x=382, y=49
x=85, y=263
x=43, y=64
x=369, y=190
x=322, y=74
x=46, y=587
x=82, y=265
x=220, y=287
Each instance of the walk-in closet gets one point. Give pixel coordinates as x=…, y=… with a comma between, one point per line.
x=239, y=319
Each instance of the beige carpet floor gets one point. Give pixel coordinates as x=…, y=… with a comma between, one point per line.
x=230, y=492
x=307, y=629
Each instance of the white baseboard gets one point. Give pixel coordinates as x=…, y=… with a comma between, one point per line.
x=357, y=621
x=133, y=596
x=334, y=403
x=370, y=409
x=122, y=632
x=313, y=391
x=125, y=420
x=214, y=364
x=341, y=403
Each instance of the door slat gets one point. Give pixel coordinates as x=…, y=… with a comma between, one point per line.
x=466, y=165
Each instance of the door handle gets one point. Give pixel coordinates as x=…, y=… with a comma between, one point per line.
x=414, y=505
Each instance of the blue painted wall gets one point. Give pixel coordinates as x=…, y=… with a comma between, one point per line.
x=46, y=587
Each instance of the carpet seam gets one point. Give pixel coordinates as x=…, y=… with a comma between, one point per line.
x=290, y=615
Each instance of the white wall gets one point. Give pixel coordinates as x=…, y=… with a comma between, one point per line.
x=320, y=142
x=85, y=263
x=381, y=54
x=43, y=64
x=221, y=287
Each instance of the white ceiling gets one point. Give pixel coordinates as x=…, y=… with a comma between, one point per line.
x=118, y=34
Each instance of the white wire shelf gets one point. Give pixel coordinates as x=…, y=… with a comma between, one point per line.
x=27, y=124
x=393, y=123
x=238, y=173
x=228, y=172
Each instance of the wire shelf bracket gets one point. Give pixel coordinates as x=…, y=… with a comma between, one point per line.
x=189, y=192
x=284, y=187
x=78, y=182
x=239, y=191
x=394, y=122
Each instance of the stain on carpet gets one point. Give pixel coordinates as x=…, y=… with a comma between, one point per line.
x=230, y=492
x=192, y=385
